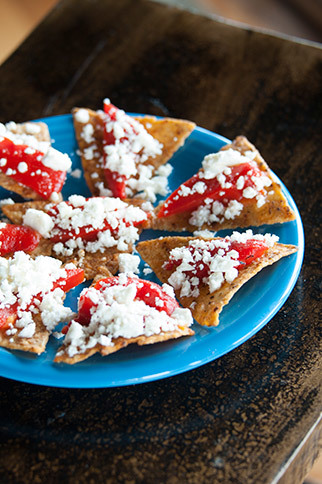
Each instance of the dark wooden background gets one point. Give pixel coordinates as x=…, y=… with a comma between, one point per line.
x=239, y=419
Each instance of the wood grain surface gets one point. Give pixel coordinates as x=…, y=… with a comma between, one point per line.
x=244, y=417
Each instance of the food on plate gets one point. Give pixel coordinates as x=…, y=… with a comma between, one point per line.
x=15, y=238
x=127, y=156
x=233, y=188
x=90, y=232
x=29, y=165
x=206, y=272
x=117, y=311
x=32, y=292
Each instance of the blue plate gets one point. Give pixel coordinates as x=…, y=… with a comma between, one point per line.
x=249, y=310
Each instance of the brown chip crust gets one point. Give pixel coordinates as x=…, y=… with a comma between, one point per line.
x=10, y=184
x=170, y=132
x=36, y=344
x=120, y=343
x=99, y=263
x=275, y=210
x=208, y=305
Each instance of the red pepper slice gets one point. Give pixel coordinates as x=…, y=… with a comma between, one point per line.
x=8, y=316
x=17, y=237
x=116, y=182
x=73, y=278
x=87, y=232
x=40, y=178
x=247, y=252
x=152, y=294
x=176, y=203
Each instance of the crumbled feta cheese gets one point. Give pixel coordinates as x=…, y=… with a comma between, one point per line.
x=6, y=201
x=32, y=128
x=22, y=167
x=77, y=173
x=39, y=221
x=87, y=133
x=82, y=116
x=54, y=197
x=129, y=264
x=56, y=160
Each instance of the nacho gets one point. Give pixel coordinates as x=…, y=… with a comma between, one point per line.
x=103, y=259
x=204, y=304
x=125, y=311
x=27, y=157
x=265, y=204
x=144, y=174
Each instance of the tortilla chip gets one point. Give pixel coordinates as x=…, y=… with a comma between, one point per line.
x=208, y=305
x=103, y=263
x=170, y=132
x=9, y=183
x=120, y=343
x=275, y=210
x=36, y=344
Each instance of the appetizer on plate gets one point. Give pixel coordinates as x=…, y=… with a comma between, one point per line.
x=32, y=292
x=233, y=188
x=29, y=165
x=117, y=311
x=90, y=232
x=206, y=272
x=126, y=156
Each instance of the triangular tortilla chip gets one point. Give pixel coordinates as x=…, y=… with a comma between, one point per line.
x=208, y=305
x=99, y=263
x=62, y=355
x=275, y=210
x=12, y=185
x=170, y=132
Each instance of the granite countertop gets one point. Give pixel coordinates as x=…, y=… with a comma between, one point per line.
x=251, y=416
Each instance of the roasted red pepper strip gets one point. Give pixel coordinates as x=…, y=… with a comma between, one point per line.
x=116, y=182
x=40, y=178
x=8, y=316
x=17, y=237
x=88, y=232
x=249, y=251
x=176, y=203
x=149, y=292
x=73, y=278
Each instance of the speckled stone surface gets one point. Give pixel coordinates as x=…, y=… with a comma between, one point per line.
x=242, y=418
